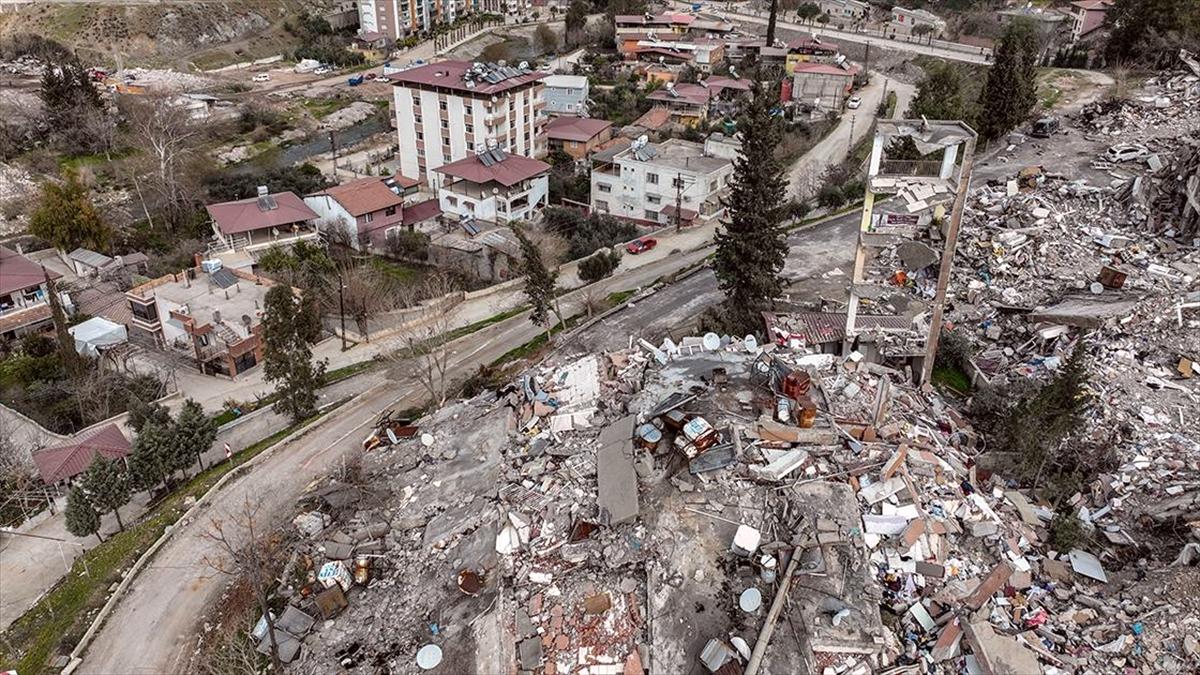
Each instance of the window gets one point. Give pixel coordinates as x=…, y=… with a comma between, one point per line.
x=601, y=205
x=148, y=313
x=470, y=129
x=653, y=199
x=651, y=215
x=604, y=187
x=652, y=178
x=368, y=217
x=452, y=201
x=677, y=182
x=420, y=136
x=469, y=206
x=445, y=124
x=470, y=146
x=442, y=105
x=712, y=186
x=389, y=211
x=202, y=339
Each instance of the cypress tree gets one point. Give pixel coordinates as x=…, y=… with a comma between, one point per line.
x=194, y=431
x=540, y=282
x=289, y=326
x=81, y=516
x=152, y=458
x=107, y=487
x=1010, y=91
x=752, y=245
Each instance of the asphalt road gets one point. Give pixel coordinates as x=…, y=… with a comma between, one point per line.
x=161, y=612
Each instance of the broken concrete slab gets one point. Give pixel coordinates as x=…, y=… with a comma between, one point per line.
x=999, y=654
x=616, y=476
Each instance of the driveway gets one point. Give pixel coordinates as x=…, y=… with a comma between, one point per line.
x=806, y=173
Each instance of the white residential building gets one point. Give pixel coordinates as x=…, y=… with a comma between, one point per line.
x=845, y=10
x=906, y=20
x=451, y=110
x=644, y=181
x=494, y=187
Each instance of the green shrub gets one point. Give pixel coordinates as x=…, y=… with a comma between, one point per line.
x=598, y=266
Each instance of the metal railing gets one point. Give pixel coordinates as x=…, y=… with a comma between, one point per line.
x=910, y=167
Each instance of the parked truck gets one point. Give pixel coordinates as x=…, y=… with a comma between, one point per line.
x=355, y=81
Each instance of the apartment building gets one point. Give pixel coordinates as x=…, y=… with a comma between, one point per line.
x=24, y=304
x=644, y=181
x=451, y=110
x=210, y=315
x=1087, y=16
x=399, y=19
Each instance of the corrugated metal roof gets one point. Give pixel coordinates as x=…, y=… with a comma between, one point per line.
x=90, y=258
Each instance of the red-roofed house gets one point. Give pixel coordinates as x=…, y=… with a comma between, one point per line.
x=687, y=102
x=577, y=136
x=495, y=187
x=449, y=110
x=64, y=462
x=366, y=210
x=1088, y=15
x=24, y=307
x=823, y=86
x=255, y=224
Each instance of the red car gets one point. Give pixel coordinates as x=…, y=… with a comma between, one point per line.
x=641, y=245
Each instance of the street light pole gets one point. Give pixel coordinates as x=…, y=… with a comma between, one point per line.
x=850, y=143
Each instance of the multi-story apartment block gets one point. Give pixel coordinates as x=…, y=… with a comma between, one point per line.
x=398, y=19
x=645, y=181
x=451, y=110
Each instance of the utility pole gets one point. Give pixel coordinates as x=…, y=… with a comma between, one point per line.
x=333, y=153
x=342, y=306
x=883, y=101
x=850, y=143
x=678, y=202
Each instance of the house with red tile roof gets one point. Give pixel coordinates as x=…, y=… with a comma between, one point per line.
x=24, y=305
x=62, y=463
x=362, y=212
x=823, y=86
x=256, y=224
x=577, y=136
x=494, y=187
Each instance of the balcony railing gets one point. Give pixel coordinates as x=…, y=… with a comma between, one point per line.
x=917, y=168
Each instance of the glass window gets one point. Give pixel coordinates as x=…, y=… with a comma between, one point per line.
x=389, y=211
x=652, y=178
x=604, y=187
x=653, y=199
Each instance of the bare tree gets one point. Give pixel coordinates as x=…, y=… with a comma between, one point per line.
x=168, y=138
x=424, y=350
x=249, y=555
x=365, y=293
x=594, y=299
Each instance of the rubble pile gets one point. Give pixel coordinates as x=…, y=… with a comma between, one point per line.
x=716, y=505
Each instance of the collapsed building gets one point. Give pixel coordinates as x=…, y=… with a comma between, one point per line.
x=809, y=504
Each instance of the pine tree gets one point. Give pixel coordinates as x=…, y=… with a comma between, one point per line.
x=67, y=353
x=152, y=459
x=752, y=245
x=288, y=330
x=107, y=487
x=81, y=516
x=1010, y=91
x=66, y=217
x=939, y=94
x=576, y=22
x=195, y=431
x=540, y=282
x=771, y=23
x=140, y=413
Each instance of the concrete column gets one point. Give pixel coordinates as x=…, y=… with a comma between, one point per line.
x=948, y=159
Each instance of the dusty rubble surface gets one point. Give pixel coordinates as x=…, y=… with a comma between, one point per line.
x=643, y=509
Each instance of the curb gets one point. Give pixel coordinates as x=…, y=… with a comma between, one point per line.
x=114, y=599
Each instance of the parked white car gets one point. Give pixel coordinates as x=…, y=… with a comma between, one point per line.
x=261, y=77
x=322, y=70
x=1127, y=152
x=854, y=102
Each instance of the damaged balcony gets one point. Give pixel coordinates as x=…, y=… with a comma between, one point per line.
x=919, y=160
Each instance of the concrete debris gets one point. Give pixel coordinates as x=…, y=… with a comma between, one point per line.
x=629, y=512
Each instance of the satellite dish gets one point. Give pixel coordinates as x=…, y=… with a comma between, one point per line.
x=751, y=343
x=427, y=440
x=711, y=341
x=428, y=657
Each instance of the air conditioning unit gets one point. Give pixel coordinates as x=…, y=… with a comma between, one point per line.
x=210, y=266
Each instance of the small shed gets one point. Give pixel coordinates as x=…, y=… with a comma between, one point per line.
x=89, y=263
x=96, y=335
x=64, y=462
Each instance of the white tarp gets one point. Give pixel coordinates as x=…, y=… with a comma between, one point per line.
x=97, y=333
